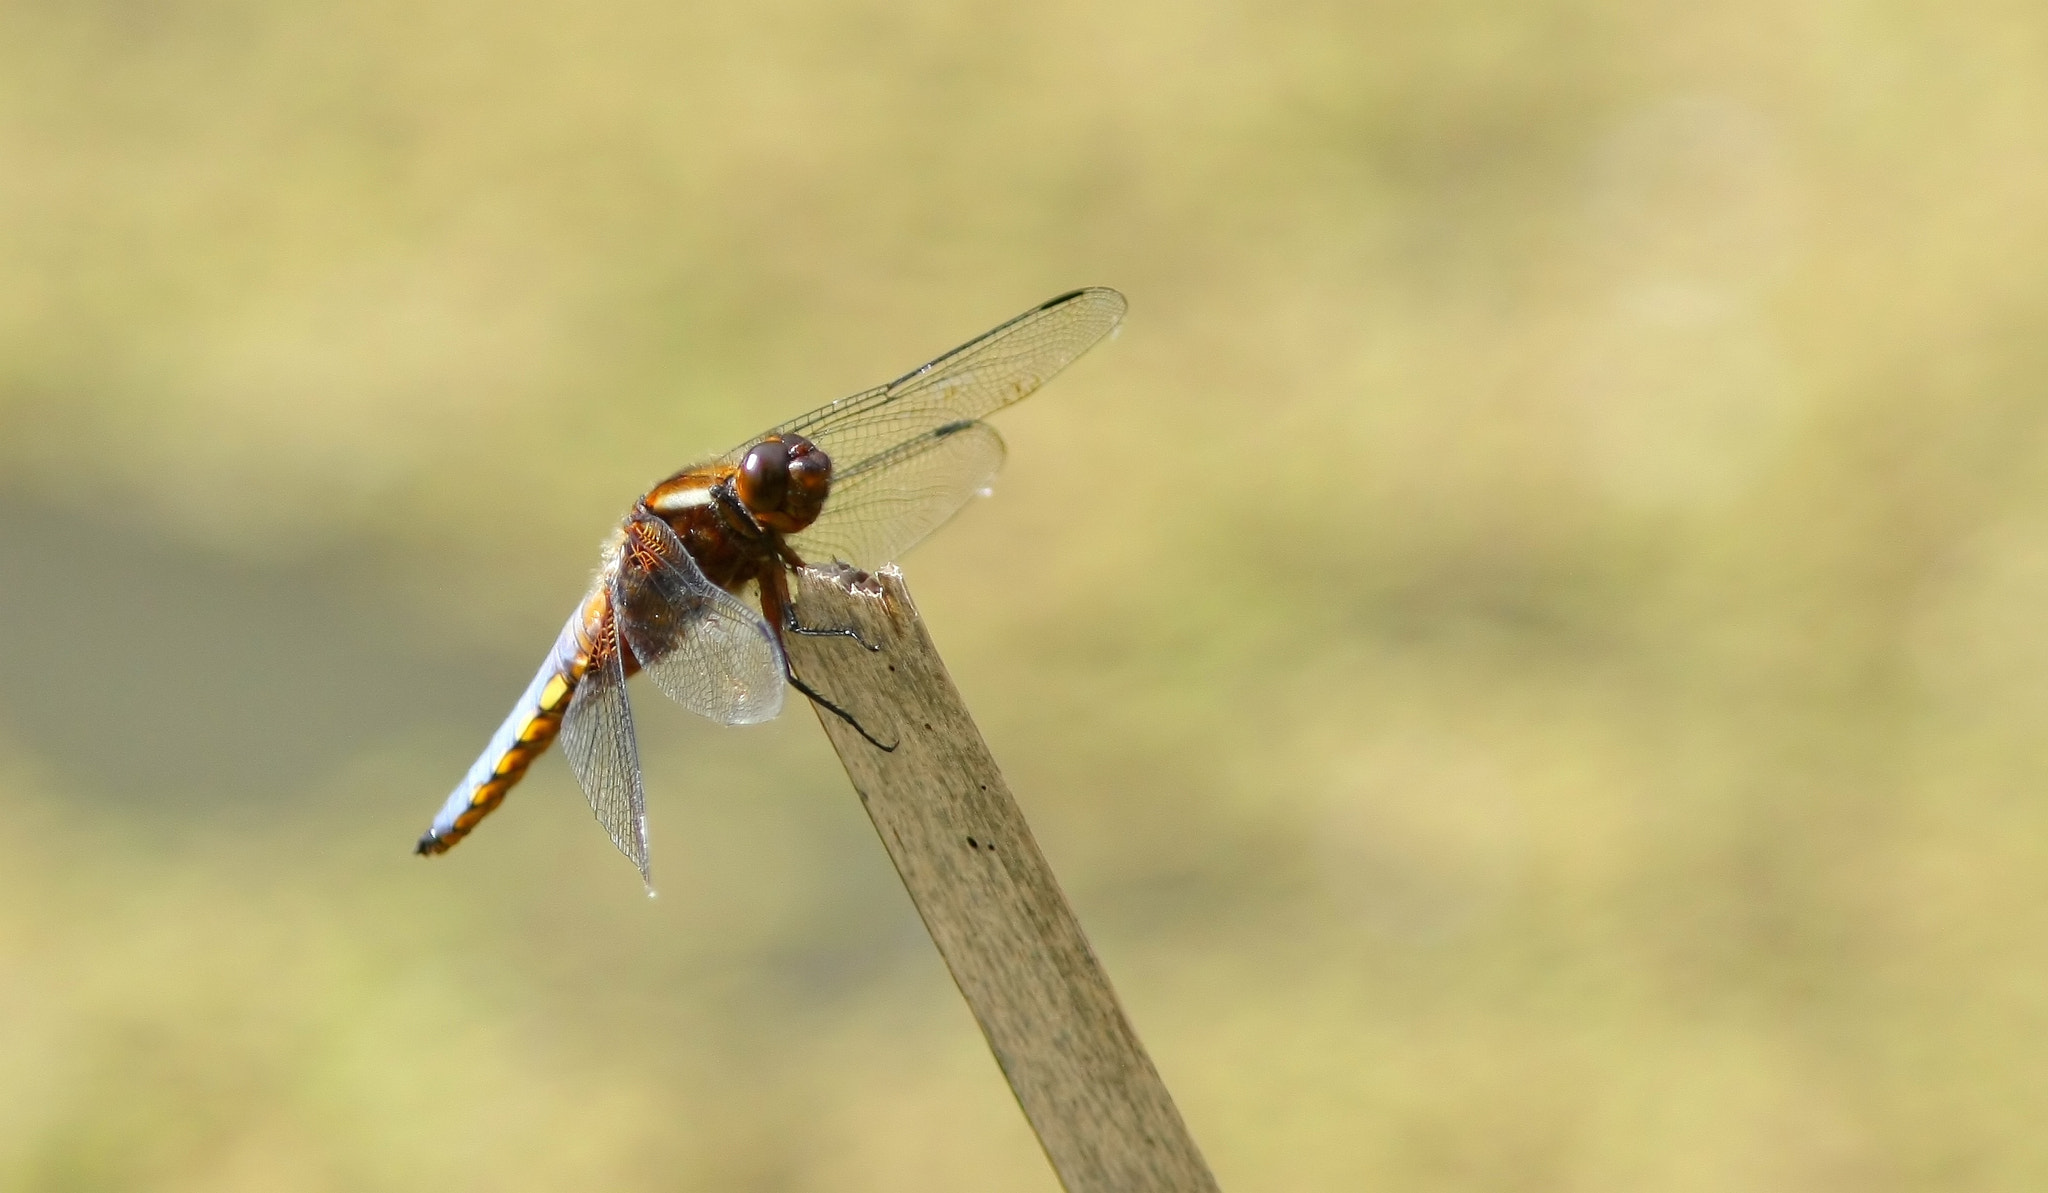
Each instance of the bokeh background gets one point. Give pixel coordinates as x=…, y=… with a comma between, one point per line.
x=1529, y=653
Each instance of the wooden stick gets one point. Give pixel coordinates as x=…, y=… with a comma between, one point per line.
x=988, y=898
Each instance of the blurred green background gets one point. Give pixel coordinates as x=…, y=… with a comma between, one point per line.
x=1529, y=653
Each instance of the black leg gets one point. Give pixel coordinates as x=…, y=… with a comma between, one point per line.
x=789, y=623
x=837, y=711
x=776, y=602
x=781, y=613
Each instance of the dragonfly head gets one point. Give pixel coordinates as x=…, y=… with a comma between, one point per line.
x=783, y=482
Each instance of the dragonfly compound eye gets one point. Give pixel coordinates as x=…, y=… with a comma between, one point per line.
x=764, y=477
x=810, y=480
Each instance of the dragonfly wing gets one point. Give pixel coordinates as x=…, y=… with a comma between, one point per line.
x=887, y=504
x=882, y=428
x=702, y=646
x=597, y=737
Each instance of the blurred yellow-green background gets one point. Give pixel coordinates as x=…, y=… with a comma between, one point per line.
x=1530, y=653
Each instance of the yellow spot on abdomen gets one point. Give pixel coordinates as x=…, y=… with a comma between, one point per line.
x=484, y=799
x=556, y=691
x=514, y=763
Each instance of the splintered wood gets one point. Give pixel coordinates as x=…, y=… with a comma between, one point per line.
x=988, y=898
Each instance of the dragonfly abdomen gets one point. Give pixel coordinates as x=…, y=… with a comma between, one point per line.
x=526, y=733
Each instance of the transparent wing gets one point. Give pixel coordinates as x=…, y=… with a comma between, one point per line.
x=597, y=737
x=906, y=423
x=888, y=505
x=703, y=647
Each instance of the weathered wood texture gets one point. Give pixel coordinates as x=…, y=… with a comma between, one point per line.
x=989, y=900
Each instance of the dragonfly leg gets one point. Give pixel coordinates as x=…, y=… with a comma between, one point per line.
x=818, y=699
x=809, y=631
x=776, y=579
x=789, y=622
x=781, y=613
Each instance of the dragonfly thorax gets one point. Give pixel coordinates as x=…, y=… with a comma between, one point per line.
x=783, y=482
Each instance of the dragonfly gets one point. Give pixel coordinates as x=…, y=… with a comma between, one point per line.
x=857, y=482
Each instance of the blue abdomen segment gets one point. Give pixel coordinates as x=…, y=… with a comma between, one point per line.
x=527, y=731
